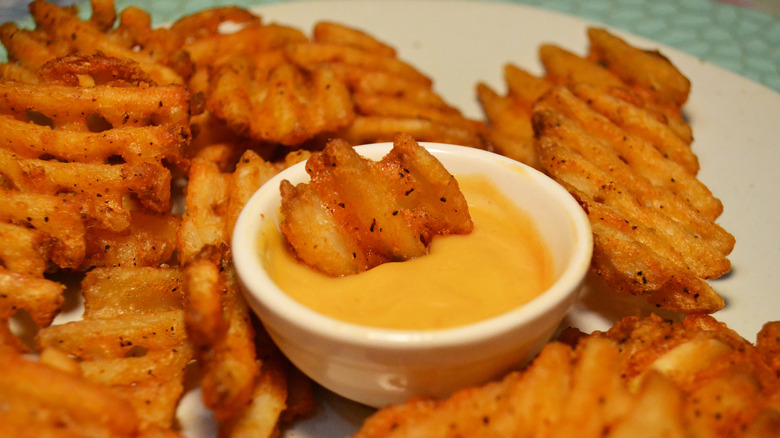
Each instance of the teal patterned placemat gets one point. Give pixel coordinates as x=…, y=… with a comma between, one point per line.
x=743, y=40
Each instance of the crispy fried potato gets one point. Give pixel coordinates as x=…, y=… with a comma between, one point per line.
x=641, y=123
x=28, y=48
x=631, y=79
x=153, y=383
x=119, y=106
x=356, y=213
x=510, y=133
x=646, y=377
x=645, y=70
x=252, y=172
x=115, y=337
x=655, y=180
x=134, y=145
x=25, y=250
x=56, y=216
x=321, y=52
x=110, y=292
x=632, y=100
x=150, y=240
x=77, y=36
x=390, y=96
x=206, y=23
x=41, y=298
x=253, y=39
x=100, y=188
x=91, y=147
x=268, y=400
x=328, y=32
x=372, y=129
x=606, y=127
x=17, y=73
x=282, y=104
x=241, y=382
x=202, y=224
x=229, y=361
x=103, y=14
x=41, y=400
x=93, y=70
x=653, y=221
x=131, y=340
x=768, y=343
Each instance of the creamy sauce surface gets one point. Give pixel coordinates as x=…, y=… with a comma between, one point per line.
x=500, y=265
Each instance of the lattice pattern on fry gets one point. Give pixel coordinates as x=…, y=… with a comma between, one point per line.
x=245, y=379
x=131, y=339
x=651, y=90
x=653, y=221
x=60, y=32
x=273, y=84
x=609, y=127
x=390, y=96
x=44, y=400
x=356, y=213
x=644, y=377
x=90, y=147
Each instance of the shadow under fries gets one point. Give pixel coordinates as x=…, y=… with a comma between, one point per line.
x=331, y=405
x=600, y=306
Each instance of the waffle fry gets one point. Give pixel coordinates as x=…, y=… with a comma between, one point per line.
x=245, y=385
x=367, y=215
x=43, y=401
x=653, y=222
x=634, y=81
x=130, y=339
x=66, y=33
x=41, y=298
x=280, y=104
x=648, y=376
x=390, y=96
x=608, y=127
x=66, y=198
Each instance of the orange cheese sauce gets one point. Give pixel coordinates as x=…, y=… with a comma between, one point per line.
x=500, y=265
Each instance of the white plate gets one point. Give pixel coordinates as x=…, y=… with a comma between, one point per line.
x=459, y=44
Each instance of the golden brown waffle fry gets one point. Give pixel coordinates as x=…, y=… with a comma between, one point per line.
x=130, y=340
x=370, y=212
x=644, y=377
x=390, y=96
x=65, y=34
x=281, y=104
x=243, y=383
x=39, y=297
x=42, y=400
x=608, y=127
x=648, y=90
x=653, y=221
x=62, y=199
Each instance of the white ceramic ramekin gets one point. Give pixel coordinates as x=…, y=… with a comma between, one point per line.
x=380, y=366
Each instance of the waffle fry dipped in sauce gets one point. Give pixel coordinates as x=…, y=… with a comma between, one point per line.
x=401, y=243
x=378, y=211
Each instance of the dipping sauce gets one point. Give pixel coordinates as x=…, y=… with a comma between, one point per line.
x=500, y=265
